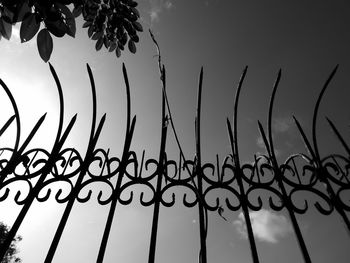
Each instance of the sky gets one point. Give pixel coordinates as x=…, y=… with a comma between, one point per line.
x=305, y=39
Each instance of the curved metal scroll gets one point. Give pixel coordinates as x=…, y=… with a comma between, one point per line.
x=300, y=182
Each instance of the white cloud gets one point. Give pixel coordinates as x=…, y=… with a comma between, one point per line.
x=267, y=225
x=279, y=125
x=157, y=7
x=282, y=124
x=260, y=142
x=154, y=15
x=168, y=4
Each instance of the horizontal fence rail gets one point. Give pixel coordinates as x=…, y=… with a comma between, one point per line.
x=326, y=178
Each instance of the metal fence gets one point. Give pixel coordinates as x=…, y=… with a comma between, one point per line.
x=327, y=177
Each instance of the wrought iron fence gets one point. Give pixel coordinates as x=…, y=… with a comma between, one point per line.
x=327, y=177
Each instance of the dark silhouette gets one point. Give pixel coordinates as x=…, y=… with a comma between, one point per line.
x=10, y=255
x=112, y=23
x=324, y=177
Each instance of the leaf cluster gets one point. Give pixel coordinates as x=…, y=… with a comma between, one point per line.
x=10, y=255
x=111, y=23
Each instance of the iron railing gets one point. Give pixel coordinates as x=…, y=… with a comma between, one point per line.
x=327, y=177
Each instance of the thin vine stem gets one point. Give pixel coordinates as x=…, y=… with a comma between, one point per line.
x=162, y=78
x=161, y=68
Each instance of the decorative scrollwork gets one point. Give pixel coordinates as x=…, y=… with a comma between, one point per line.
x=301, y=182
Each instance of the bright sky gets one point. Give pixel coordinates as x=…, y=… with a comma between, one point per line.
x=304, y=38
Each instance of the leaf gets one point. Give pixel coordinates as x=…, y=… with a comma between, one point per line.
x=118, y=52
x=112, y=46
x=71, y=27
x=7, y=15
x=99, y=43
x=120, y=45
x=124, y=39
x=135, y=11
x=97, y=35
x=45, y=44
x=69, y=18
x=132, y=3
x=22, y=9
x=29, y=28
x=135, y=38
x=5, y=29
x=137, y=26
x=87, y=24
x=77, y=10
x=106, y=42
x=90, y=31
x=58, y=28
x=131, y=46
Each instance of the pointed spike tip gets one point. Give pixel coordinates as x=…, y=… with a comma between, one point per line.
x=88, y=68
x=75, y=117
x=245, y=70
x=125, y=72
x=44, y=116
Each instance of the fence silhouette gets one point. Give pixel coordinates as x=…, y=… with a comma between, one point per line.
x=326, y=178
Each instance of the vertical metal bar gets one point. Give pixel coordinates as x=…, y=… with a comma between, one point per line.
x=107, y=229
x=334, y=198
x=243, y=197
x=279, y=174
x=339, y=136
x=321, y=171
x=59, y=230
x=122, y=168
x=321, y=174
x=160, y=171
x=59, y=141
x=10, y=165
x=238, y=171
x=198, y=171
x=296, y=228
x=116, y=193
x=35, y=191
x=83, y=169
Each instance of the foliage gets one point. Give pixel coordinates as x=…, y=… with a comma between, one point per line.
x=111, y=23
x=10, y=255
